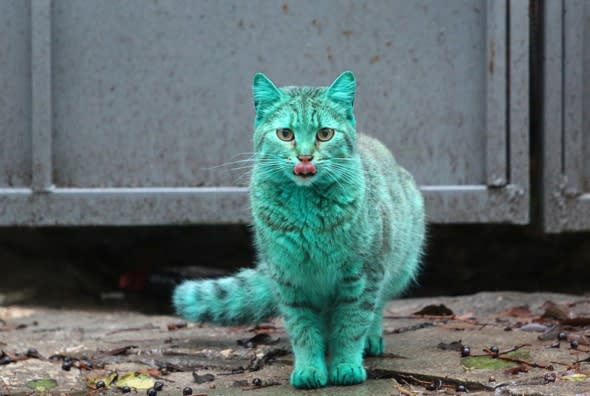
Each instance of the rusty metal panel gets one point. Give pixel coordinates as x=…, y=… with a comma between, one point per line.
x=566, y=120
x=15, y=108
x=138, y=103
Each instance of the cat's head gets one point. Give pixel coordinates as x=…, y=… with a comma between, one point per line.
x=305, y=134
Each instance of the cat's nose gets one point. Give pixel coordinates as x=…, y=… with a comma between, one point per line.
x=304, y=167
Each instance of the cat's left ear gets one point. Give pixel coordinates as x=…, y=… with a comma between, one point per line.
x=343, y=89
x=265, y=94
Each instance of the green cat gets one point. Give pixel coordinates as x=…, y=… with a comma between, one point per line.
x=339, y=230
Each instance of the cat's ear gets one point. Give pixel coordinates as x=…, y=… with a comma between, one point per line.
x=343, y=89
x=265, y=93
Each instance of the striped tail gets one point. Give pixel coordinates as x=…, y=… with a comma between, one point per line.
x=246, y=298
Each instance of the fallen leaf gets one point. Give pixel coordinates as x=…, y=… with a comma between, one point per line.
x=266, y=359
x=42, y=385
x=556, y=311
x=485, y=362
x=435, y=310
x=201, y=379
x=111, y=378
x=136, y=380
x=575, y=377
x=490, y=362
x=521, y=311
x=108, y=380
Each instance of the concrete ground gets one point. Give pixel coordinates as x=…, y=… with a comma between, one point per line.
x=65, y=351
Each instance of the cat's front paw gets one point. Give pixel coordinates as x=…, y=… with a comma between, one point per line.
x=374, y=346
x=309, y=378
x=347, y=374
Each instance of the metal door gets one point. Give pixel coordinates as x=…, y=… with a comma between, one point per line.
x=132, y=106
x=566, y=116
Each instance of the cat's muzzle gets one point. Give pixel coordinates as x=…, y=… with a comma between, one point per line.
x=304, y=169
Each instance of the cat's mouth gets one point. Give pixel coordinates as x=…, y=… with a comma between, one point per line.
x=304, y=169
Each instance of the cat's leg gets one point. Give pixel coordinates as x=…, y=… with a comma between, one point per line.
x=306, y=327
x=349, y=326
x=374, y=345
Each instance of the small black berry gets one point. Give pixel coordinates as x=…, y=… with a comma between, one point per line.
x=5, y=360
x=562, y=336
x=187, y=391
x=66, y=366
x=461, y=388
x=495, y=350
x=465, y=351
x=32, y=352
x=67, y=359
x=125, y=389
x=436, y=384
x=257, y=382
x=574, y=344
x=158, y=386
x=151, y=392
x=100, y=384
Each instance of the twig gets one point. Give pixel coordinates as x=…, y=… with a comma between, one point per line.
x=530, y=364
x=145, y=327
x=498, y=355
x=428, y=317
x=514, y=348
x=418, y=381
x=402, y=390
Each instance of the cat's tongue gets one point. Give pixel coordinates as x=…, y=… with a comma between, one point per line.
x=304, y=168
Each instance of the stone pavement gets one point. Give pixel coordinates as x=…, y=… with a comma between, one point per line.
x=75, y=349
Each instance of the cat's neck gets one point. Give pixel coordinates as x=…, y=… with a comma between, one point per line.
x=288, y=206
x=332, y=192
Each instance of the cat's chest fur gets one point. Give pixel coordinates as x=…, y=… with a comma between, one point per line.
x=307, y=236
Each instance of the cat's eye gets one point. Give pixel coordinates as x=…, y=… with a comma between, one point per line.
x=325, y=134
x=285, y=134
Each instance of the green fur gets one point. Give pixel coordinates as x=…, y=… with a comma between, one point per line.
x=333, y=248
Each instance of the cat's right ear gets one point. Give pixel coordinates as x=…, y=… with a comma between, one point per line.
x=265, y=94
